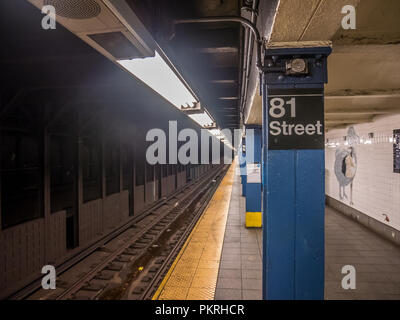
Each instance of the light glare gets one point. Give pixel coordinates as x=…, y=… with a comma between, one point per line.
x=157, y=74
x=203, y=119
x=215, y=132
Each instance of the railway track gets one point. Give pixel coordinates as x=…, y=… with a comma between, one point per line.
x=132, y=264
x=159, y=275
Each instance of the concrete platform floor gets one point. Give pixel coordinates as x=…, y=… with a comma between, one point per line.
x=240, y=268
x=377, y=261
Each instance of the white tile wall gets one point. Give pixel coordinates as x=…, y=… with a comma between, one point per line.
x=376, y=189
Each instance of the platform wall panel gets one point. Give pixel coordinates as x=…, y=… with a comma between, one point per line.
x=138, y=199
x=124, y=214
x=171, y=184
x=22, y=253
x=90, y=221
x=165, y=189
x=181, y=178
x=111, y=212
x=150, y=192
x=56, y=244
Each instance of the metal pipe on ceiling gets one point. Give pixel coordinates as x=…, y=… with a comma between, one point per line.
x=245, y=22
x=248, y=55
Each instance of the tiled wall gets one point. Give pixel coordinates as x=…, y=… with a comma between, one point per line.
x=376, y=189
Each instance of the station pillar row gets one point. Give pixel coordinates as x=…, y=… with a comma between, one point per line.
x=293, y=172
x=253, y=175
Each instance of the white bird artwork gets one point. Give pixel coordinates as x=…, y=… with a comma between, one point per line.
x=346, y=164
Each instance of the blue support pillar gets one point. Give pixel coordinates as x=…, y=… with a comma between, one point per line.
x=293, y=172
x=242, y=165
x=253, y=170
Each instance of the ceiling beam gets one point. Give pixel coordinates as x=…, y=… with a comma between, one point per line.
x=361, y=111
x=329, y=122
x=207, y=38
x=363, y=94
x=228, y=98
x=222, y=74
x=215, y=50
x=224, y=81
x=338, y=126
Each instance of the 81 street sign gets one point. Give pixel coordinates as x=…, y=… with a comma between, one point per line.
x=295, y=119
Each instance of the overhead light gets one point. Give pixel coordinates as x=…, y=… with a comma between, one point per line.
x=215, y=132
x=203, y=119
x=219, y=135
x=158, y=75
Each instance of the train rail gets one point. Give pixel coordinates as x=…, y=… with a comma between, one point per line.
x=133, y=261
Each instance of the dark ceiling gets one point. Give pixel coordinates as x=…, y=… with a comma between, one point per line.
x=207, y=55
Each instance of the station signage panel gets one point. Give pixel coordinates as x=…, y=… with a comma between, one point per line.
x=295, y=119
x=253, y=173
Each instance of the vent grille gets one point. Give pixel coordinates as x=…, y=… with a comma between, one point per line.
x=75, y=9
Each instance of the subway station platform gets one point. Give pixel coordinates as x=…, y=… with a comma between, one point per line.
x=106, y=139
x=222, y=259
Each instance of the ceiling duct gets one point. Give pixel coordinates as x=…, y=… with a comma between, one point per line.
x=109, y=26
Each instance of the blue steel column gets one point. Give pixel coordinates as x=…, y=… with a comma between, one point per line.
x=242, y=165
x=253, y=186
x=294, y=185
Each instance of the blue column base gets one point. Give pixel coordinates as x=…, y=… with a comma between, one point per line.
x=294, y=225
x=253, y=205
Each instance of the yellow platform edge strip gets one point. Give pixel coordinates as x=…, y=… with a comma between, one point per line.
x=171, y=269
x=229, y=176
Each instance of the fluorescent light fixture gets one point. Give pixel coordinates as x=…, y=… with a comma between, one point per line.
x=159, y=76
x=219, y=135
x=203, y=119
x=215, y=132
